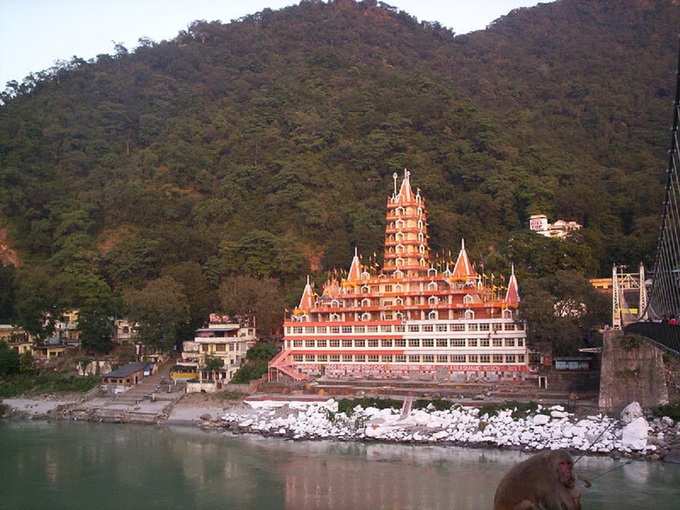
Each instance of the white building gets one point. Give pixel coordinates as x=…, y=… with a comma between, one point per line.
x=224, y=339
x=560, y=229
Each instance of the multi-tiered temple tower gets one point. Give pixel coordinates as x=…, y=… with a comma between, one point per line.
x=409, y=320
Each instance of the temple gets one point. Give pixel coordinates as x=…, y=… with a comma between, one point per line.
x=413, y=319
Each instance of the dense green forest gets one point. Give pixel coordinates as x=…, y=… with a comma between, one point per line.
x=264, y=148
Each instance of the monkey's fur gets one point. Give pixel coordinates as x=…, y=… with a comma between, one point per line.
x=545, y=481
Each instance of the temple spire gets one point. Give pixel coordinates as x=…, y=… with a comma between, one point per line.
x=405, y=191
x=463, y=270
x=355, y=269
x=512, y=295
x=307, y=299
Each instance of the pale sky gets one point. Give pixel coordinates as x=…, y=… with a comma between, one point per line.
x=36, y=33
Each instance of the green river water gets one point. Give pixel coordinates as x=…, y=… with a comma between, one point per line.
x=99, y=466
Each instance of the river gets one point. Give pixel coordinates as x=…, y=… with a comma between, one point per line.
x=102, y=466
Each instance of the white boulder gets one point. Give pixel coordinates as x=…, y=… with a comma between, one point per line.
x=541, y=419
x=631, y=412
x=634, y=435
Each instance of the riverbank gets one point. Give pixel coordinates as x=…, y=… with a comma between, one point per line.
x=532, y=429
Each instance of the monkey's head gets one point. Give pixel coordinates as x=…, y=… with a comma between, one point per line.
x=564, y=468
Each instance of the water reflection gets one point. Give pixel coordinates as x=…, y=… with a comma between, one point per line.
x=83, y=466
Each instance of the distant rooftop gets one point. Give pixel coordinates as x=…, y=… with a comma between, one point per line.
x=126, y=370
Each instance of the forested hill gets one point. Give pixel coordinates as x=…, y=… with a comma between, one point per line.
x=266, y=145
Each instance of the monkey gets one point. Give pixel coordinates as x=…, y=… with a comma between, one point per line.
x=544, y=481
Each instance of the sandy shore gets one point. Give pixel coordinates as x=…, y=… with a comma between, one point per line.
x=37, y=407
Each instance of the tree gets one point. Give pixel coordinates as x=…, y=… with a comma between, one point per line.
x=256, y=364
x=201, y=296
x=213, y=364
x=160, y=309
x=97, y=306
x=562, y=311
x=7, y=294
x=37, y=305
x=9, y=360
x=248, y=296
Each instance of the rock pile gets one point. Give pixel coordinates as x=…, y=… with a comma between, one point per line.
x=546, y=428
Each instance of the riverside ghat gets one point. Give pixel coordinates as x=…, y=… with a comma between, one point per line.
x=543, y=428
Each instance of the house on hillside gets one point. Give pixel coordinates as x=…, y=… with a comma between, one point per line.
x=560, y=229
x=16, y=338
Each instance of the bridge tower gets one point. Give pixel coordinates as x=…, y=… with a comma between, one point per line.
x=616, y=299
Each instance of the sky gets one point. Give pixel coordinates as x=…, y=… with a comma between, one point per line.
x=34, y=34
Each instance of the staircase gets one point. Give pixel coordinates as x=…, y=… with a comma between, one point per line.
x=282, y=364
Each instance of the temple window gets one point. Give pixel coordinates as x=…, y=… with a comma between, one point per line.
x=432, y=300
x=373, y=343
x=334, y=343
x=365, y=289
x=467, y=299
x=442, y=358
x=510, y=358
x=428, y=358
x=414, y=342
x=387, y=358
x=428, y=342
x=414, y=358
x=347, y=329
x=442, y=342
x=433, y=315
x=365, y=302
x=441, y=328
x=472, y=342
x=484, y=358
x=359, y=343
x=398, y=274
x=400, y=358
x=472, y=358
x=366, y=316
x=498, y=342
x=469, y=314
x=498, y=358
x=507, y=314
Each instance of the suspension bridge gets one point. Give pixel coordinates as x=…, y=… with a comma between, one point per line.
x=659, y=317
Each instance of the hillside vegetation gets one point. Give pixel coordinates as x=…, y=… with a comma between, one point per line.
x=265, y=147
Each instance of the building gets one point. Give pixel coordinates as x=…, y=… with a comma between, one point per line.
x=127, y=375
x=66, y=329
x=410, y=320
x=124, y=332
x=225, y=340
x=16, y=338
x=560, y=229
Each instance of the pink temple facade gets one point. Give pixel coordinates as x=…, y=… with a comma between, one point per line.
x=410, y=320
